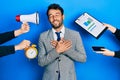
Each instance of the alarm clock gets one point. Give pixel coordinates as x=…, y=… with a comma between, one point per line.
x=31, y=52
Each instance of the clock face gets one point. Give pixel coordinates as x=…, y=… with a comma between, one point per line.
x=31, y=53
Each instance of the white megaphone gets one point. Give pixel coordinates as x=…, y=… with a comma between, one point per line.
x=34, y=18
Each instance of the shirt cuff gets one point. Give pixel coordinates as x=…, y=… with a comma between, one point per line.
x=117, y=54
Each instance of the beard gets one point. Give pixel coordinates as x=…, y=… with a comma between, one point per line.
x=56, y=25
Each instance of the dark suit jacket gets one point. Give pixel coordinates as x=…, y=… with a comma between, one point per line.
x=5, y=50
x=117, y=34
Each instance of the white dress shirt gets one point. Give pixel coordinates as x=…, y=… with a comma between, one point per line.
x=61, y=34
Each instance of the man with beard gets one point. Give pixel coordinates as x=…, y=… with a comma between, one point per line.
x=59, y=48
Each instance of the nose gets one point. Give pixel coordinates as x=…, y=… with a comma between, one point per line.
x=54, y=17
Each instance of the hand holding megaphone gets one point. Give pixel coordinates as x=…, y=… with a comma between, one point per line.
x=34, y=18
x=25, y=27
x=31, y=51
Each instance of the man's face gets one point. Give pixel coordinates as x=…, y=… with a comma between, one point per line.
x=55, y=18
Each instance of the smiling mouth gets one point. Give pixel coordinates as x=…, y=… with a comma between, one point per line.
x=55, y=21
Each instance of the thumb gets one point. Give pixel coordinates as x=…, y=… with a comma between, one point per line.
x=62, y=38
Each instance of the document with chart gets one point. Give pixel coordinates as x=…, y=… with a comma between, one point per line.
x=91, y=25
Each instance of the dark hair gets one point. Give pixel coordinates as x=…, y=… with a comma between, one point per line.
x=55, y=6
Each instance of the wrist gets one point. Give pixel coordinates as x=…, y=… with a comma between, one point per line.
x=16, y=48
x=112, y=29
x=18, y=32
x=112, y=54
x=58, y=51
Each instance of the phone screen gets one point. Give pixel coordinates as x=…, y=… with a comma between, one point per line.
x=97, y=48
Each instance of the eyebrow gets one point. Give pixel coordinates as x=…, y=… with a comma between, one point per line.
x=55, y=13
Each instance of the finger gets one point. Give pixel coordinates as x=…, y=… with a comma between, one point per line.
x=103, y=49
x=105, y=24
x=99, y=52
x=68, y=43
x=24, y=23
x=53, y=42
x=68, y=47
x=62, y=38
x=61, y=41
x=25, y=28
x=27, y=41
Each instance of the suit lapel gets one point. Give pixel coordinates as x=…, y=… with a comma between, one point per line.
x=66, y=35
x=49, y=39
x=50, y=35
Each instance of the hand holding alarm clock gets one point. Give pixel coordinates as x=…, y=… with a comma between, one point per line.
x=31, y=52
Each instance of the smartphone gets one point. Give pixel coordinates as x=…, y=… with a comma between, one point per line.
x=97, y=48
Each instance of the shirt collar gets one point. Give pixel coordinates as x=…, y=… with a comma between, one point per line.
x=61, y=35
x=62, y=30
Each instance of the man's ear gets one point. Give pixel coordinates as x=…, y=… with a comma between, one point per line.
x=63, y=17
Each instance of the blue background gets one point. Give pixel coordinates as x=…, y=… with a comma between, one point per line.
x=97, y=67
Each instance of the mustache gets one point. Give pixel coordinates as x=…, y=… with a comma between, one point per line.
x=56, y=20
